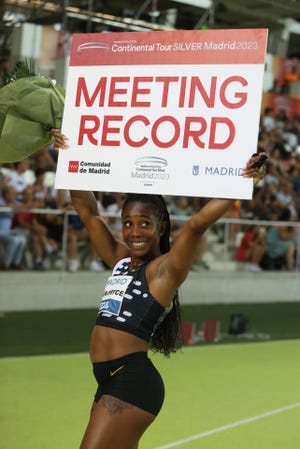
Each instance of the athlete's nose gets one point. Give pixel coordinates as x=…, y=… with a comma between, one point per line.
x=136, y=230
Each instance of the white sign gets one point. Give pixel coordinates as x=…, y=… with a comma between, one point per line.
x=172, y=112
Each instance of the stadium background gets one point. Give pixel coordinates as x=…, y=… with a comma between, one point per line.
x=235, y=392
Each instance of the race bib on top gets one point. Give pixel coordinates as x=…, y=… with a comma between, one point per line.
x=112, y=299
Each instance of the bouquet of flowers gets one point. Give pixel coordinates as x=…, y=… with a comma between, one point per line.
x=30, y=106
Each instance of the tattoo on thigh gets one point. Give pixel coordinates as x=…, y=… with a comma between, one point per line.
x=114, y=405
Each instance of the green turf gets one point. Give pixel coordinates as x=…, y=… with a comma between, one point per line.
x=45, y=400
x=213, y=386
x=67, y=331
x=47, y=332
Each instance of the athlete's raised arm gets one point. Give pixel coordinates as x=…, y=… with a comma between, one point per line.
x=109, y=249
x=178, y=261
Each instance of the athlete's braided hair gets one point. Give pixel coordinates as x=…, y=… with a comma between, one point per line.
x=166, y=338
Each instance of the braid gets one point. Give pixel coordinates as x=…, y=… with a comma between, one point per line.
x=166, y=337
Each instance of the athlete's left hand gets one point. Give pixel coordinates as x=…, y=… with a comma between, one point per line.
x=256, y=167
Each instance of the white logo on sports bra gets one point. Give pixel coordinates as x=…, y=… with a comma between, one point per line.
x=114, y=292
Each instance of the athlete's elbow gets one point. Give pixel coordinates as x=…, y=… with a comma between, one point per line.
x=198, y=226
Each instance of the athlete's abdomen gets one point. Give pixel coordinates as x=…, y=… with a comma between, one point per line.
x=108, y=344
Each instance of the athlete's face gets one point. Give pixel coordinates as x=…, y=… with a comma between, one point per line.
x=141, y=231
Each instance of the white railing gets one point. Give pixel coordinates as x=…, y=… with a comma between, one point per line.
x=226, y=222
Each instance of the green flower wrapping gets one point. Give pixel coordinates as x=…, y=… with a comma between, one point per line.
x=29, y=108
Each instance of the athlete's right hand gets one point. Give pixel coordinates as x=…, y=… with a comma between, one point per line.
x=60, y=139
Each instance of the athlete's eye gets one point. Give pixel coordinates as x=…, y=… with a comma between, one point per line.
x=145, y=223
x=126, y=224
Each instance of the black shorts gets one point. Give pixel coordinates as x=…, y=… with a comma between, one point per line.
x=132, y=379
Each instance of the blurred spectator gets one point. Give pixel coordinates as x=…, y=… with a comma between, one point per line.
x=16, y=177
x=295, y=174
x=281, y=118
x=272, y=176
x=54, y=222
x=76, y=232
x=264, y=142
x=252, y=248
x=13, y=243
x=291, y=135
x=40, y=192
x=280, y=246
x=181, y=207
x=267, y=120
x=25, y=222
x=277, y=157
x=291, y=76
x=268, y=204
x=107, y=198
x=276, y=87
x=285, y=196
x=199, y=262
x=234, y=228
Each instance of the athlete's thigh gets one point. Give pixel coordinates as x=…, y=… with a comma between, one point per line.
x=115, y=424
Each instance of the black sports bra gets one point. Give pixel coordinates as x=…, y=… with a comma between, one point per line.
x=127, y=304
